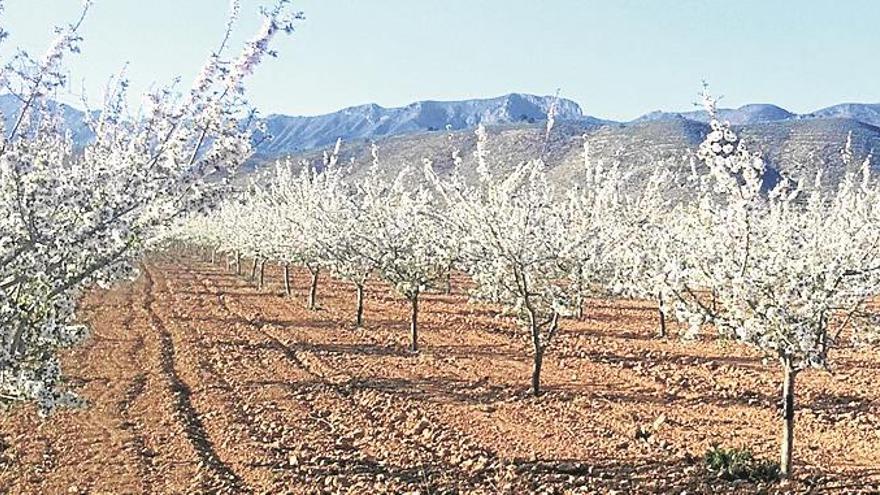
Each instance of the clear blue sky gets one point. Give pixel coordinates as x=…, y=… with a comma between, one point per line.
x=617, y=58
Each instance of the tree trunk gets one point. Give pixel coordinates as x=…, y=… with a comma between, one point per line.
x=414, y=324
x=359, y=320
x=536, y=371
x=213, y=256
x=287, y=290
x=254, y=269
x=579, y=299
x=538, y=349
x=17, y=340
x=448, y=290
x=313, y=290
x=661, y=314
x=237, y=263
x=787, y=421
x=262, y=274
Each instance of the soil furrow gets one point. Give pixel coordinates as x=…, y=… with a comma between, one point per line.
x=221, y=478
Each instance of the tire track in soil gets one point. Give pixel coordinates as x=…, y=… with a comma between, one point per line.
x=263, y=437
x=337, y=458
x=112, y=372
x=221, y=478
x=137, y=446
x=346, y=393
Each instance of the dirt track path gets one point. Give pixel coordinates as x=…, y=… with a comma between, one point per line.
x=199, y=383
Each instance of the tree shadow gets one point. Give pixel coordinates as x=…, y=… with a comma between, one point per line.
x=648, y=358
x=475, y=351
x=838, y=404
x=610, y=334
x=436, y=390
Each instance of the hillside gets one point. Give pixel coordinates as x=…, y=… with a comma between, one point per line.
x=794, y=147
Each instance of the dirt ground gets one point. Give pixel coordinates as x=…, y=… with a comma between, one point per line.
x=199, y=383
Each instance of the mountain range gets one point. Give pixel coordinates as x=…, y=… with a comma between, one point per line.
x=791, y=142
x=292, y=135
x=762, y=113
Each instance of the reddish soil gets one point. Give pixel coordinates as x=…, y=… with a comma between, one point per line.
x=199, y=383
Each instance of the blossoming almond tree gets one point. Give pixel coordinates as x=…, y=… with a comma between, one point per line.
x=791, y=269
x=641, y=231
x=305, y=201
x=405, y=236
x=512, y=241
x=349, y=249
x=591, y=217
x=71, y=217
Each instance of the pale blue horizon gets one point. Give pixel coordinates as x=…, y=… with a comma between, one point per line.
x=617, y=59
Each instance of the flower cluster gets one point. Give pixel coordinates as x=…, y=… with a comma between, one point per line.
x=789, y=268
x=74, y=217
